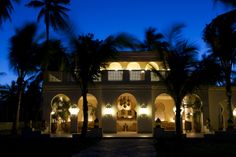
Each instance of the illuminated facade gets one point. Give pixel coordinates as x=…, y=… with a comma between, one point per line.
x=128, y=97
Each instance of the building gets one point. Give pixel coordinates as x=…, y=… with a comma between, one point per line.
x=128, y=97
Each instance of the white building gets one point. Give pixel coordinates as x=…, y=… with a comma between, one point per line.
x=128, y=97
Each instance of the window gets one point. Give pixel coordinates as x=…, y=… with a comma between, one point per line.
x=115, y=75
x=137, y=75
x=57, y=77
x=98, y=79
x=154, y=77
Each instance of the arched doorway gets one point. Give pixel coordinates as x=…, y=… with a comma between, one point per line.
x=192, y=115
x=126, y=113
x=92, y=111
x=222, y=115
x=60, y=115
x=164, y=105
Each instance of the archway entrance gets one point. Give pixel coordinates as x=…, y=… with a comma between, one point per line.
x=92, y=111
x=164, y=110
x=126, y=113
x=192, y=113
x=222, y=115
x=60, y=115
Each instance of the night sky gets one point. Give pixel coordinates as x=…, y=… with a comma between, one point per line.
x=106, y=17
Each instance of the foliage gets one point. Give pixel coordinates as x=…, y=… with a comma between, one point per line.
x=6, y=8
x=53, y=12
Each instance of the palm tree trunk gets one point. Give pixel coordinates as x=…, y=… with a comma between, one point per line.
x=178, y=119
x=15, y=126
x=85, y=110
x=47, y=29
x=229, y=97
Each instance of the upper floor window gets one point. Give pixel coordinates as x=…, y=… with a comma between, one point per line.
x=55, y=77
x=115, y=75
x=154, y=77
x=98, y=79
x=137, y=75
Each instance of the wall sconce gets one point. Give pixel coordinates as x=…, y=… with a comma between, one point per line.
x=234, y=112
x=108, y=110
x=143, y=111
x=74, y=110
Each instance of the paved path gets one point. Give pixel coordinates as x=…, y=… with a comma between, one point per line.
x=120, y=148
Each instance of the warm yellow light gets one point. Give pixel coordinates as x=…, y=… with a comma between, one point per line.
x=90, y=119
x=181, y=110
x=108, y=111
x=74, y=110
x=234, y=112
x=53, y=112
x=143, y=111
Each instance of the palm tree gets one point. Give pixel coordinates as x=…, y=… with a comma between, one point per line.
x=22, y=58
x=152, y=41
x=6, y=9
x=220, y=35
x=53, y=12
x=8, y=97
x=179, y=59
x=53, y=56
x=227, y=2
x=90, y=55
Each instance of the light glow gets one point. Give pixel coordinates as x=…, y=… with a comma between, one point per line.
x=74, y=110
x=143, y=111
x=234, y=112
x=108, y=111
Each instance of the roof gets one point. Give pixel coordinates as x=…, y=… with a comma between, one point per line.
x=138, y=56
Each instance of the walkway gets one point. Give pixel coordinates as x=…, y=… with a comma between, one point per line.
x=118, y=147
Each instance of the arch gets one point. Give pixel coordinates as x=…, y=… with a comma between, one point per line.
x=115, y=66
x=192, y=100
x=57, y=98
x=126, y=97
x=192, y=113
x=222, y=114
x=126, y=114
x=133, y=66
x=151, y=65
x=164, y=105
x=92, y=108
x=60, y=115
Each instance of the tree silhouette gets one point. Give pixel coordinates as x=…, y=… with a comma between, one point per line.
x=221, y=37
x=53, y=12
x=22, y=58
x=6, y=8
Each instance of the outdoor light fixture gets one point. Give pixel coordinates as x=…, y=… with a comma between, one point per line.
x=74, y=110
x=143, y=111
x=234, y=112
x=108, y=111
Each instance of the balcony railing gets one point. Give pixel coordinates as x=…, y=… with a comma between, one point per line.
x=107, y=76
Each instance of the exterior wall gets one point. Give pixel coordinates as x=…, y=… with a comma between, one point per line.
x=145, y=92
x=217, y=98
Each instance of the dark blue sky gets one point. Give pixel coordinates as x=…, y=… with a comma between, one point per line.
x=106, y=17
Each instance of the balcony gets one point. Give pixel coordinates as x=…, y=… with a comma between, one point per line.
x=106, y=76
